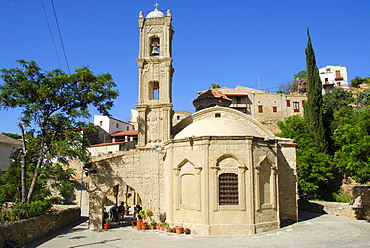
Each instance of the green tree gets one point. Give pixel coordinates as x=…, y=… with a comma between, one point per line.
x=300, y=75
x=54, y=106
x=314, y=168
x=299, y=82
x=333, y=101
x=363, y=98
x=357, y=81
x=353, y=138
x=215, y=86
x=313, y=111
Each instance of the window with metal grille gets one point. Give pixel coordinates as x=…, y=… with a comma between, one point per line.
x=228, y=189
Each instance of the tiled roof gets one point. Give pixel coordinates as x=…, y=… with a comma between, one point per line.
x=123, y=133
x=212, y=93
x=7, y=140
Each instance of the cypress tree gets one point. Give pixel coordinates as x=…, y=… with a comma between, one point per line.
x=313, y=108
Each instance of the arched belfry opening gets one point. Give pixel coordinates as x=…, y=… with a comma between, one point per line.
x=154, y=90
x=155, y=49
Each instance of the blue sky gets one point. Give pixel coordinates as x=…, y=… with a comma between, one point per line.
x=226, y=42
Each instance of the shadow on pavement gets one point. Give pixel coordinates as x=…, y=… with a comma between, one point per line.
x=307, y=215
x=66, y=229
x=99, y=242
x=75, y=227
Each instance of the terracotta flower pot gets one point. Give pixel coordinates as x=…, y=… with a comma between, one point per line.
x=144, y=226
x=187, y=231
x=179, y=229
x=126, y=213
x=106, y=226
x=138, y=224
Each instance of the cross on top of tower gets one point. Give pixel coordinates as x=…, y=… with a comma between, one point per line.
x=156, y=5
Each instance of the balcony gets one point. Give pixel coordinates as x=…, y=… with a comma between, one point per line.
x=238, y=105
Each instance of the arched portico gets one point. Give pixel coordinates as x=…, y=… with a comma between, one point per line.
x=138, y=169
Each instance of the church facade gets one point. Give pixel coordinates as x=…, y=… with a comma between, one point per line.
x=217, y=172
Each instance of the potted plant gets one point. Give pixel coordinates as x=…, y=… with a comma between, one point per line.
x=159, y=226
x=145, y=215
x=107, y=224
x=152, y=224
x=165, y=226
x=127, y=209
x=144, y=225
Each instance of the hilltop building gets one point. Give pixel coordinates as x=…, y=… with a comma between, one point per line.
x=261, y=105
x=9, y=150
x=333, y=76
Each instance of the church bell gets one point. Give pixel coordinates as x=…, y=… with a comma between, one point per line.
x=155, y=51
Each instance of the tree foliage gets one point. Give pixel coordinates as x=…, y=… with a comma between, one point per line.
x=300, y=75
x=353, y=137
x=214, y=86
x=313, y=111
x=314, y=168
x=357, y=81
x=54, y=107
x=333, y=101
x=363, y=98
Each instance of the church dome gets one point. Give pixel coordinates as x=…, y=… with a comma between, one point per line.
x=221, y=121
x=155, y=14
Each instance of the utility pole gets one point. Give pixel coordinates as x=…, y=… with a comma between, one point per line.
x=259, y=84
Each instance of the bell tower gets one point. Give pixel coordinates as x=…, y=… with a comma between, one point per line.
x=155, y=78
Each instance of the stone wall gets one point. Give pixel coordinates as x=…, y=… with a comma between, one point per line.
x=337, y=208
x=25, y=231
x=287, y=177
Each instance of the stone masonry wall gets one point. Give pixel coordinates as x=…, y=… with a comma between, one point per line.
x=25, y=231
x=336, y=208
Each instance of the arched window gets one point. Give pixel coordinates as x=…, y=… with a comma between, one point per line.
x=265, y=183
x=228, y=189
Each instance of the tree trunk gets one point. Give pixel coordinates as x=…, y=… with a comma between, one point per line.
x=35, y=175
x=23, y=166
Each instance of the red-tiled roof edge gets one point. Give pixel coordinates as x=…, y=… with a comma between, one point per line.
x=130, y=132
x=105, y=144
x=210, y=93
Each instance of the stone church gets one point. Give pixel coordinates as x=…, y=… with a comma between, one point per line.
x=217, y=172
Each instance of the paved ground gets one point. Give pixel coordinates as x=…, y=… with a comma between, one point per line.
x=310, y=231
